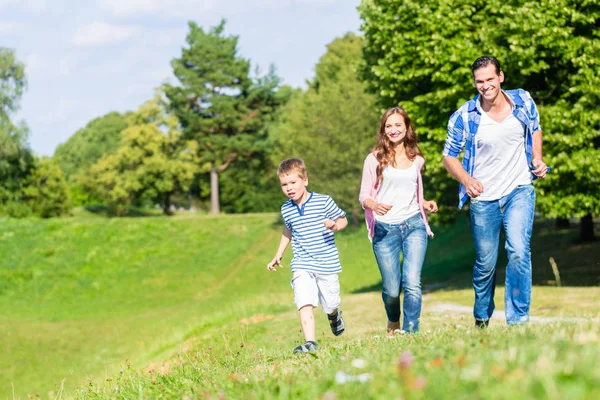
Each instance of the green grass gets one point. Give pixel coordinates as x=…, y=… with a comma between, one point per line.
x=81, y=296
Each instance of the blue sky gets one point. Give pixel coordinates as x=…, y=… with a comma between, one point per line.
x=86, y=58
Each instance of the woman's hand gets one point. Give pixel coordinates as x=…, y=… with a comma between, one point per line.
x=430, y=206
x=381, y=209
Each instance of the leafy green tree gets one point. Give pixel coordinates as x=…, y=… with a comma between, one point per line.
x=12, y=82
x=82, y=150
x=419, y=54
x=16, y=158
x=46, y=190
x=151, y=164
x=247, y=185
x=332, y=126
x=217, y=102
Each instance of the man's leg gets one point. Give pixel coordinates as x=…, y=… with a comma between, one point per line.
x=486, y=222
x=518, y=209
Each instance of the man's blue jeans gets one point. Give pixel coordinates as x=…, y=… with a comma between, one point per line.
x=513, y=213
x=408, y=238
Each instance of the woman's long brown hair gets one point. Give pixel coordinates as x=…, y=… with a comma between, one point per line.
x=384, y=148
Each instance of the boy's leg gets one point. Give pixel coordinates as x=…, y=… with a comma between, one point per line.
x=329, y=296
x=307, y=320
x=306, y=298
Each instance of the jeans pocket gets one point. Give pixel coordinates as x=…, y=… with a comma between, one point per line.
x=380, y=232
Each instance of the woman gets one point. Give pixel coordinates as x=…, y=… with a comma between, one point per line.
x=392, y=195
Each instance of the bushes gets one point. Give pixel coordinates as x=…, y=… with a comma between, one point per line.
x=44, y=192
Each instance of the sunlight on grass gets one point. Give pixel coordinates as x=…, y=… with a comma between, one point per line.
x=152, y=307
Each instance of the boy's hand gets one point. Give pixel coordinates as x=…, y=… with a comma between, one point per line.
x=430, y=206
x=275, y=261
x=329, y=224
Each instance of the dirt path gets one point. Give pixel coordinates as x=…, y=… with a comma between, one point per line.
x=499, y=315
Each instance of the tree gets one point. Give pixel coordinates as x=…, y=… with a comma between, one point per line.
x=16, y=158
x=46, y=190
x=419, y=54
x=152, y=163
x=86, y=146
x=12, y=82
x=332, y=125
x=217, y=103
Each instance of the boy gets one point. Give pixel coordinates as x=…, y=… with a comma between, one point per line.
x=310, y=220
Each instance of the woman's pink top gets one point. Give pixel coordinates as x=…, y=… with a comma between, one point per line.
x=368, y=191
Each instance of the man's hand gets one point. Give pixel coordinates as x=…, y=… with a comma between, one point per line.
x=540, y=167
x=473, y=186
x=275, y=261
x=381, y=209
x=430, y=206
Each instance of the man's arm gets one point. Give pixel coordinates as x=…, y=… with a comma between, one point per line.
x=540, y=167
x=455, y=168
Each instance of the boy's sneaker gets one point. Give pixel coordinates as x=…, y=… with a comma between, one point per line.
x=308, y=347
x=336, y=322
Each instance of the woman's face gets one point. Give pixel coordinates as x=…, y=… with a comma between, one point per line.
x=395, y=128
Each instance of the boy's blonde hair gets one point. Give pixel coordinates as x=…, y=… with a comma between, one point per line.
x=292, y=165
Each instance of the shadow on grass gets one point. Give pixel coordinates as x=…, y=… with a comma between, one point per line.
x=110, y=212
x=450, y=257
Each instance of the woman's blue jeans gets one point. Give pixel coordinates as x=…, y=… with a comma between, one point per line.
x=390, y=241
x=513, y=213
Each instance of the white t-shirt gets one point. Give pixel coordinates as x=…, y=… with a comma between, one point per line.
x=399, y=189
x=500, y=159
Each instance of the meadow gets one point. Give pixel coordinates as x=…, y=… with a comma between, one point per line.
x=183, y=307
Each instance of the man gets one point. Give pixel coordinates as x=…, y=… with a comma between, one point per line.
x=501, y=135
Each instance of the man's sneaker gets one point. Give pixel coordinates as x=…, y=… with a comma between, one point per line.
x=308, y=347
x=336, y=322
x=482, y=324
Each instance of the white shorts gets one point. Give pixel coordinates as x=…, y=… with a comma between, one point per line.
x=312, y=288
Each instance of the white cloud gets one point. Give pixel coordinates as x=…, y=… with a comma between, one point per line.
x=39, y=66
x=101, y=33
x=26, y=5
x=60, y=110
x=122, y=8
x=5, y=3
x=163, y=7
x=10, y=28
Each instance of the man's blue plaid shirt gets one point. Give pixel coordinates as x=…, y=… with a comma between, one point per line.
x=461, y=135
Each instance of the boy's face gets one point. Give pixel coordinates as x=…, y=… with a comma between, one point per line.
x=293, y=186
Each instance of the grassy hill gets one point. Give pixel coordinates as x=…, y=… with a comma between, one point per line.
x=184, y=306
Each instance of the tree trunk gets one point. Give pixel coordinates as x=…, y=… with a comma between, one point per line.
x=586, y=228
x=167, y=205
x=562, y=223
x=214, y=189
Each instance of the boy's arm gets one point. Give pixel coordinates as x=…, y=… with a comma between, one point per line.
x=286, y=237
x=337, y=225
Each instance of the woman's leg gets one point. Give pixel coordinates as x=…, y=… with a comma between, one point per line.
x=414, y=249
x=387, y=246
